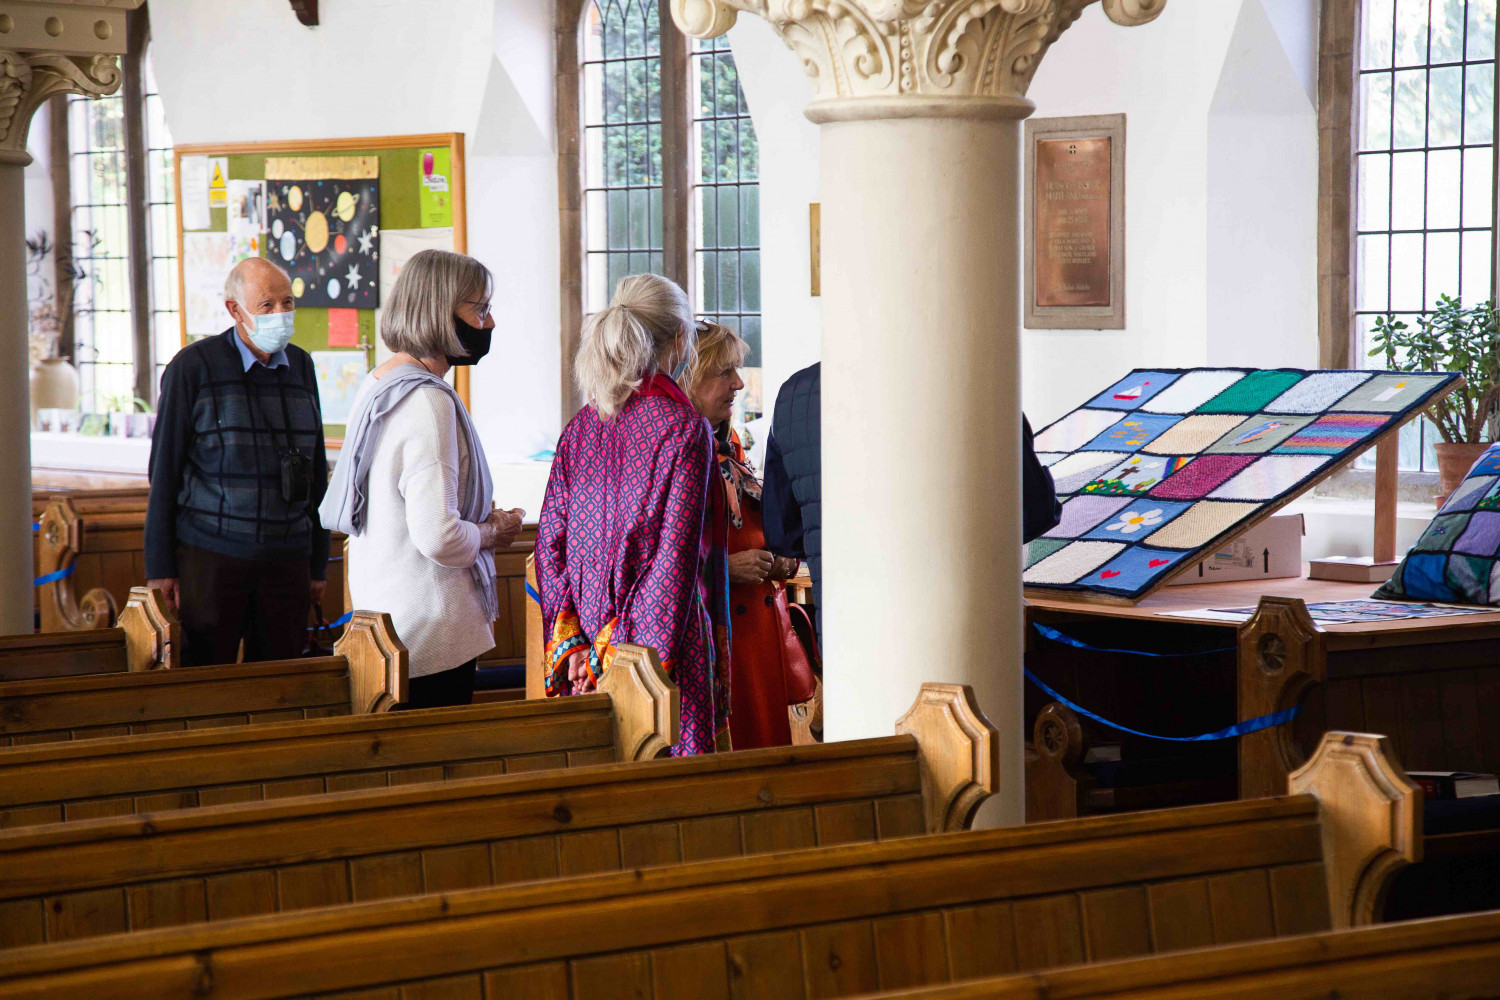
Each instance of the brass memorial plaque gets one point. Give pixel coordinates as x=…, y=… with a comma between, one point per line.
x=1072, y=210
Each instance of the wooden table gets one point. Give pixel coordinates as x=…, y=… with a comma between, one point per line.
x=1431, y=684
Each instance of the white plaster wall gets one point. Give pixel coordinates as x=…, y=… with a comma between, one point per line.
x=38, y=180
x=777, y=89
x=392, y=67
x=1221, y=135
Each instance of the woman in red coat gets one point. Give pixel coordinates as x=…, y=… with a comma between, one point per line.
x=757, y=689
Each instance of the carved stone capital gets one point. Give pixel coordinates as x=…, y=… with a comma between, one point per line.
x=913, y=58
x=28, y=78
x=54, y=48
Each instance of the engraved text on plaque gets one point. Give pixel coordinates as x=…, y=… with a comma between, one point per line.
x=1072, y=212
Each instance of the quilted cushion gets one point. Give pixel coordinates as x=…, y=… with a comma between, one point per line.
x=1457, y=559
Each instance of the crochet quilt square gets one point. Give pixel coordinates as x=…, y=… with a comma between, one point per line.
x=1165, y=464
x=1133, y=390
x=1457, y=557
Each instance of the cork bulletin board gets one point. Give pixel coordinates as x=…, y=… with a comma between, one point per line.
x=337, y=214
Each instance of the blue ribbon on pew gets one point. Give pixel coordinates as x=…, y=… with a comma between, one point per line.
x=531, y=593
x=342, y=620
x=36, y=525
x=54, y=576
x=1238, y=729
x=1068, y=640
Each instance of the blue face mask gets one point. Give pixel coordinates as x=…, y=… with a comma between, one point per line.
x=273, y=331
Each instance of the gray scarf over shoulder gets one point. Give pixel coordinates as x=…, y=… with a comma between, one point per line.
x=344, y=505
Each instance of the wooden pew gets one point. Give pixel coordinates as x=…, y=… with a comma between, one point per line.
x=1441, y=959
x=367, y=674
x=633, y=718
x=99, y=537
x=147, y=638
x=1431, y=684
x=833, y=921
x=48, y=484
x=137, y=872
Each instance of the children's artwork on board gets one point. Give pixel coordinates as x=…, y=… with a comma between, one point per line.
x=326, y=233
x=247, y=210
x=1166, y=464
x=339, y=374
x=206, y=261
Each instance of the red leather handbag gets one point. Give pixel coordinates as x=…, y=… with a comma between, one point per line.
x=801, y=666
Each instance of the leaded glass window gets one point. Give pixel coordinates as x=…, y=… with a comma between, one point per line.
x=103, y=339
x=1424, y=212
x=622, y=144
x=629, y=85
x=726, y=200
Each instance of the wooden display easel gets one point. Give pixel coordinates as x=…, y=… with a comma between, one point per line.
x=1377, y=567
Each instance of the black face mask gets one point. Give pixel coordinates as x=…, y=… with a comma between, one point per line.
x=473, y=339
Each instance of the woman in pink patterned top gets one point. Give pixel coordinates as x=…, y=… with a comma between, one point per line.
x=622, y=554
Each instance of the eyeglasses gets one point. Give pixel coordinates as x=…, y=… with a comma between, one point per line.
x=481, y=310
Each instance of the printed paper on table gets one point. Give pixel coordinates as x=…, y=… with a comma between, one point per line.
x=1163, y=467
x=339, y=374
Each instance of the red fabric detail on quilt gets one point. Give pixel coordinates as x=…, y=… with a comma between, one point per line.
x=1198, y=477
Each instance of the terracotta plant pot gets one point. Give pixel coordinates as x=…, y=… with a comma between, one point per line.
x=1454, y=460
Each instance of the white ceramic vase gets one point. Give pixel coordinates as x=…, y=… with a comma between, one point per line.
x=54, y=385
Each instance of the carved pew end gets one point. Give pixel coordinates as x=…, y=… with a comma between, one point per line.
x=378, y=662
x=1371, y=820
x=153, y=637
x=647, y=706
x=958, y=751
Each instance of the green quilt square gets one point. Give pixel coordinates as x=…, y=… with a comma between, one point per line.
x=1040, y=549
x=1251, y=393
x=1442, y=532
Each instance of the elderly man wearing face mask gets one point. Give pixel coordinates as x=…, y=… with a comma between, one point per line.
x=237, y=473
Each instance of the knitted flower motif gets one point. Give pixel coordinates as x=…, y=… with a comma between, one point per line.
x=1134, y=520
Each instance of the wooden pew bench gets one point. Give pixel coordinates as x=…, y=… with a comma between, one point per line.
x=1440, y=959
x=147, y=638
x=136, y=872
x=829, y=921
x=633, y=718
x=367, y=674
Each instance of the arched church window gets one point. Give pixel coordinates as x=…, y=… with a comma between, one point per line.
x=1423, y=171
x=116, y=280
x=659, y=137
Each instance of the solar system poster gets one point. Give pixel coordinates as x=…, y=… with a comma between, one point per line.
x=326, y=233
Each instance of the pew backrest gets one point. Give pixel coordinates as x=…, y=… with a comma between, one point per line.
x=1440, y=959
x=367, y=674
x=141, y=871
x=284, y=754
x=831, y=921
x=148, y=637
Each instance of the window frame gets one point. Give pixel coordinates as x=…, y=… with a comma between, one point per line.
x=680, y=177
x=138, y=255
x=1340, y=37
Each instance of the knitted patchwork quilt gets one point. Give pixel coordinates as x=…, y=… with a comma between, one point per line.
x=1168, y=464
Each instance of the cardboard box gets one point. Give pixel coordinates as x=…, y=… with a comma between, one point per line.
x=1271, y=550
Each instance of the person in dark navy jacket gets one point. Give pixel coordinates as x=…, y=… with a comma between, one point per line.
x=792, y=493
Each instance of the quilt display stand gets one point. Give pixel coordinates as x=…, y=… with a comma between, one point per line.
x=1431, y=683
x=1167, y=466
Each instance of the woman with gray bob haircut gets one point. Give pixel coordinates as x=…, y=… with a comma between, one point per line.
x=412, y=488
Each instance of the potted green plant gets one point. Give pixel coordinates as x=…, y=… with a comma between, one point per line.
x=1451, y=338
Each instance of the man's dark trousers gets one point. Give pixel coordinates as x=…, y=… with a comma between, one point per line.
x=222, y=599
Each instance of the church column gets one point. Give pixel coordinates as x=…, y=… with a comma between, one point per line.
x=920, y=103
x=45, y=49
